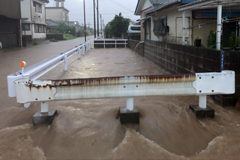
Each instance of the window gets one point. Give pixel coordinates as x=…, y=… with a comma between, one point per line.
x=39, y=28
x=135, y=28
x=36, y=28
x=38, y=7
x=26, y=27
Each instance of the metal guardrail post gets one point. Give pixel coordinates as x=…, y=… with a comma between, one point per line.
x=65, y=62
x=129, y=105
x=83, y=49
x=203, y=101
x=79, y=53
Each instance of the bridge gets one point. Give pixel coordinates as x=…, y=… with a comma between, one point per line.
x=27, y=88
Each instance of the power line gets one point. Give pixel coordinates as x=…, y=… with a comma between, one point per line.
x=92, y=14
x=121, y=5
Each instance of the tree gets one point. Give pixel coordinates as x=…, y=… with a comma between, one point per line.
x=118, y=26
x=107, y=31
x=63, y=28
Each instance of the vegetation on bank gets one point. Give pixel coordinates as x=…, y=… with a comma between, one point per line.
x=68, y=36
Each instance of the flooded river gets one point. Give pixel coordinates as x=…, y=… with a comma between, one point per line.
x=90, y=129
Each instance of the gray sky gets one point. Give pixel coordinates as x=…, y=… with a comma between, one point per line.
x=108, y=9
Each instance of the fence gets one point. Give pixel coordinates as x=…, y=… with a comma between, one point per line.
x=55, y=36
x=111, y=43
x=183, y=59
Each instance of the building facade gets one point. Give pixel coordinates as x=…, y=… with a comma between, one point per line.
x=58, y=13
x=10, y=15
x=33, y=15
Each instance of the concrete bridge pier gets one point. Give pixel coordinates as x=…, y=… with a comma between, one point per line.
x=129, y=114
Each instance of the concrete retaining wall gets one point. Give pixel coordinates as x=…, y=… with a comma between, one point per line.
x=179, y=59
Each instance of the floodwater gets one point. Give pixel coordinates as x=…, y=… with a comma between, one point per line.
x=90, y=129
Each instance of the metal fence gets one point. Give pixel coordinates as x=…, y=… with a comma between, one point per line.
x=111, y=43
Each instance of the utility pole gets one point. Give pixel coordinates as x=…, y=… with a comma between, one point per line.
x=85, y=21
x=101, y=22
x=94, y=19
x=97, y=19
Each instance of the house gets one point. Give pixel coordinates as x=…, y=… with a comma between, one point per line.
x=52, y=25
x=58, y=13
x=161, y=20
x=10, y=15
x=33, y=16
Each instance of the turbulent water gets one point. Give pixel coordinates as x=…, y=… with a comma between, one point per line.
x=90, y=129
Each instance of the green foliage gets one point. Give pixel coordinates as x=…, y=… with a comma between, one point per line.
x=53, y=40
x=197, y=38
x=118, y=26
x=107, y=31
x=68, y=36
x=212, y=39
x=233, y=41
x=63, y=28
x=35, y=43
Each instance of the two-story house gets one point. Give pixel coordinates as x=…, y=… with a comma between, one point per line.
x=33, y=15
x=58, y=13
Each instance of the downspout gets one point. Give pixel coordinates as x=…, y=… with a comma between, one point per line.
x=219, y=27
x=20, y=26
x=32, y=25
x=183, y=28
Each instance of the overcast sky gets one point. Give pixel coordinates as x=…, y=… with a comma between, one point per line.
x=108, y=9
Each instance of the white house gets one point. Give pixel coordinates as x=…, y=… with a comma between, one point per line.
x=162, y=20
x=33, y=17
x=58, y=13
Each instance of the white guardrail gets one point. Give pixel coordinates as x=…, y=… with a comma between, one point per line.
x=200, y=84
x=37, y=70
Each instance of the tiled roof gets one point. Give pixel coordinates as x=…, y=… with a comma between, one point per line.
x=157, y=3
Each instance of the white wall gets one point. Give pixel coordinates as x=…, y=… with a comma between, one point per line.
x=25, y=9
x=57, y=14
x=174, y=21
x=39, y=17
x=146, y=5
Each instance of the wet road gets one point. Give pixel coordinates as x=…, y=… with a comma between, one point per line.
x=90, y=129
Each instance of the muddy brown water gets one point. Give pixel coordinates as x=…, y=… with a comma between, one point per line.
x=90, y=129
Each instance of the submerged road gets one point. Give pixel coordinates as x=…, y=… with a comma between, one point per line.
x=90, y=129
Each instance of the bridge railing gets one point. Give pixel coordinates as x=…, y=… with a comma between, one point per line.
x=111, y=43
x=37, y=70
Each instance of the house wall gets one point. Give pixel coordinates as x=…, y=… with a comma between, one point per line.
x=39, y=18
x=10, y=16
x=203, y=32
x=174, y=21
x=26, y=10
x=146, y=5
x=10, y=9
x=57, y=14
x=142, y=21
x=9, y=32
x=33, y=17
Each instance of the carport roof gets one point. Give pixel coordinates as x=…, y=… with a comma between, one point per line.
x=205, y=4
